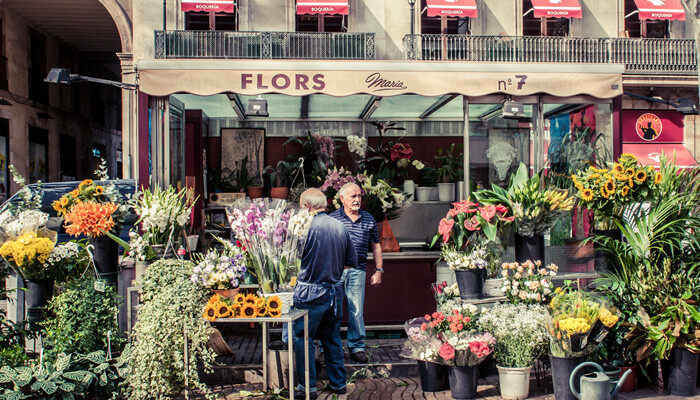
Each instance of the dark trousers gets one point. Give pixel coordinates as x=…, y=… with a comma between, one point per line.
x=324, y=326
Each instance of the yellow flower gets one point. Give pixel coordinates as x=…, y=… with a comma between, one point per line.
x=274, y=303
x=630, y=182
x=621, y=177
x=640, y=176
x=625, y=191
x=574, y=325
x=618, y=168
x=209, y=313
x=657, y=178
x=610, y=186
x=593, y=176
x=86, y=182
x=99, y=190
x=587, y=194
x=579, y=186
x=604, y=192
x=607, y=318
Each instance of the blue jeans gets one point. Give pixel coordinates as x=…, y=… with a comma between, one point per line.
x=324, y=325
x=354, y=282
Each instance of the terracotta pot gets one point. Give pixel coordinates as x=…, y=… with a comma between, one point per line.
x=279, y=193
x=630, y=384
x=229, y=294
x=255, y=192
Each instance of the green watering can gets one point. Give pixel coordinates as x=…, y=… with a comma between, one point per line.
x=595, y=385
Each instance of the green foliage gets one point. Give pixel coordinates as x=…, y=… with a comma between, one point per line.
x=12, y=339
x=81, y=318
x=449, y=165
x=172, y=305
x=91, y=376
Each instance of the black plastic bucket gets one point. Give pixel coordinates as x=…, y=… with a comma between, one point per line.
x=471, y=283
x=562, y=367
x=463, y=382
x=681, y=372
x=39, y=292
x=433, y=376
x=529, y=248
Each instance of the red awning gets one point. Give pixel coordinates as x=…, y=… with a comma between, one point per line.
x=650, y=153
x=226, y=6
x=660, y=9
x=557, y=8
x=323, y=7
x=452, y=8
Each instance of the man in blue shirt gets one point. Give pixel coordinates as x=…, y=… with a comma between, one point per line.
x=365, y=235
x=327, y=251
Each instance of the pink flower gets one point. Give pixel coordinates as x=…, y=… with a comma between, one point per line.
x=522, y=295
x=445, y=228
x=487, y=212
x=472, y=224
x=447, y=352
x=479, y=348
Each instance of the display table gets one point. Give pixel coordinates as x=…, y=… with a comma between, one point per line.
x=289, y=319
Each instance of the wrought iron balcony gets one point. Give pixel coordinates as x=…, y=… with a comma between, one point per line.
x=264, y=45
x=640, y=56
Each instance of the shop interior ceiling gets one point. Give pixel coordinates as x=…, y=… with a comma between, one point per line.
x=350, y=108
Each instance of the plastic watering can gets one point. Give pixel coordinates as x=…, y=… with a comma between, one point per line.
x=595, y=385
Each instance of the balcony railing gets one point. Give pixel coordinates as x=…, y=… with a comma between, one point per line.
x=264, y=45
x=640, y=56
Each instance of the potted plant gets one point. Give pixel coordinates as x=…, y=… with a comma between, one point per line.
x=427, y=190
x=520, y=331
x=535, y=210
x=449, y=171
x=469, y=270
x=221, y=272
x=424, y=347
x=273, y=232
x=282, y=178
x=464, y=346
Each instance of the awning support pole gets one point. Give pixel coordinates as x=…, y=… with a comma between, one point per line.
x=465, y=166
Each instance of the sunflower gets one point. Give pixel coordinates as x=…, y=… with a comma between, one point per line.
x=209, y=313
x=86, y=182
x=248, y=311
x=236, y=310
x=618, y=168
x=275, y=313
x=587, y=194
x=222, y=310
x=593, y=176
x=621, y=177
x=215, y=299
x=630, y=182
x=274, y=303
x=604, y=192
x=75, y=193
x=239, y=298
x=261, y=311
x=625, y=191
x=629, y=171
x=657, y=178
x=99, y=190
x=251, y=299
x=628, y=156
x=609, y=186
x=640, y=176
x=579, y=186
x=259, y=302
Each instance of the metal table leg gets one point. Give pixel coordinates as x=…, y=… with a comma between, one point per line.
x=290, y=341
x=264, y=355
x=306, y=356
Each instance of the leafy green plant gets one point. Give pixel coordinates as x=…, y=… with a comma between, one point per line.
x=92, y=376
x=12, y=339
x=449, y=165
x=170, y=316
x=81, y=320
x=242, y=175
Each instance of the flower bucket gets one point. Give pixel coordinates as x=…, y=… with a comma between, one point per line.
x=492, y=287
x=255, y=192
x=471, y=283
x=229, y=293
x=514, y=383
x=279, y=193
x=463, y=382
x=106, y=255
x=286, y=298
x=446, y=191
x=433, y=376
x=159, y=249
x=600, y=261
x=562, y=367
x=680, y=372
x=39, y=292
x=529, y=248
x=423, y=193
x=140, y=269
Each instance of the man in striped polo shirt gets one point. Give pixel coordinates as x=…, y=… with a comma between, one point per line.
x=365, y=236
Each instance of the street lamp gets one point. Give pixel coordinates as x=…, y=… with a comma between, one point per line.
x=62, y=75
x=412, y=4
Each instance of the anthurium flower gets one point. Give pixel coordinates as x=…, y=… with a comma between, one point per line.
x=472, y=224
x=445, y=228
x=487, y=212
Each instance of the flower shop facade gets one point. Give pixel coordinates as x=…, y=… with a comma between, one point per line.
x=193, y=119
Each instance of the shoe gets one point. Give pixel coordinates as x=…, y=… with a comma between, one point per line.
x=359, y=357
x=277, y=345
x=337, y=391
x=301, y=395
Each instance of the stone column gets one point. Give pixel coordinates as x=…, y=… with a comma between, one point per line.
x=130, y=144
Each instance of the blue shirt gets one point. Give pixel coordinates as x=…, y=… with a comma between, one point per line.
x=363, y=232
x=328, y=249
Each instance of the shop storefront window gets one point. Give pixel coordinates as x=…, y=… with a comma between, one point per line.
x=68, y=158
x=38, y=154
x=205, y=21
x=177, y=147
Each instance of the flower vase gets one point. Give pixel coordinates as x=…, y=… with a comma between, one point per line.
x=529, y=248
x=562, y=367
x=446, y=191
x=463, y=382
x=228, y=293
x=105, y=252
x=471, y=283
x=39, y=292
x=514, y=383
x=387, y=239
x=423, y=193
x=433, y=376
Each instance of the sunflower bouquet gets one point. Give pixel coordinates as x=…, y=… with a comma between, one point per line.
x=242, y=306
x=608, y=191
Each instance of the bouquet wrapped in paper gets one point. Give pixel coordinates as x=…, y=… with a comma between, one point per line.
x=444, y=292
x=273, y=233
x=26, y=244
x=421, y=344
x=579, y=322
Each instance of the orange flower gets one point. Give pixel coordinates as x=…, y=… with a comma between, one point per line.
x=99, y=190
x=86, y=182
x=90, y=219
x=75, y=193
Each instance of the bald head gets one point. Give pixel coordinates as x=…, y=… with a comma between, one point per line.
x=313, y=200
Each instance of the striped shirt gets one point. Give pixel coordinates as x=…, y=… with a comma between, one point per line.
x=363, y=232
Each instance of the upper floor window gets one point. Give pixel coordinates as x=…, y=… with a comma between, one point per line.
x=210, y=15
x=3, y=57
x=542, y=26
x=322, y=16
x=38, y=89
x=436, y=25
x=643, y=28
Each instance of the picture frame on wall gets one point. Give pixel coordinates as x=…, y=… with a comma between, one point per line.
x=237, y=143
